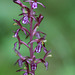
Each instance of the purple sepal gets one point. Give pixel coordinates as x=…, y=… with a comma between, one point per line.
x=37, y=35
x=46, y=54
x=16, y=33
x=17, y=52
x=46, y=65
x=35, y=40
x=15, y=46
x=34, y=30
x=44, y=49
x=24, y=31
x=17, y=1
x=20, y=63
x=25, y=72
x=27, y=66
x=21, y=70
x=40, y=18
x=41, y=4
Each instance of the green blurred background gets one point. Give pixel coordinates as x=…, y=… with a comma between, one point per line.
x=58, y=24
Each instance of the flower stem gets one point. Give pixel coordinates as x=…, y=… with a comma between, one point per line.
x=31, y=38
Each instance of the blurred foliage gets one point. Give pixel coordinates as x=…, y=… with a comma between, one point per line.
x=58, y=24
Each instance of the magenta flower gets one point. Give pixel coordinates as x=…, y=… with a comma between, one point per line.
x=30, y=63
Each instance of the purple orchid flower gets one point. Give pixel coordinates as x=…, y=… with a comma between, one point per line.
x=30, y=62
x=34, y=5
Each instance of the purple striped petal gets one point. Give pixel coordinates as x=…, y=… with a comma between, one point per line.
x=38, y=48
x=25, y=20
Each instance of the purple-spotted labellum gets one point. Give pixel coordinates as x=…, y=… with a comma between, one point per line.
x=34, y=5
x=34, y=66
x=30, y=63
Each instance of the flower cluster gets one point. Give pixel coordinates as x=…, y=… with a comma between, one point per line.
x=28, y=15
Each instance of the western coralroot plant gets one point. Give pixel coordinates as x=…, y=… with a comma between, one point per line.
x=28, y=16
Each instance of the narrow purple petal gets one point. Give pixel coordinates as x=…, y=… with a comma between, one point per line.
x=46, y=65
x=27, y=66
x=20, y=63
x=34, y=30
x=16, y=1
x=36, y=40
x=41, y=32
x=40, y=60
x=17, y=52
x=45, y=50
x=18, y=22
x=28, y=1
x=21, y=70
x=24, y=31
x=15, y=46
x=16, y=33
x=24, y=44
x=19, y=45
x=41, y=4
x=33, y=18
x=46, y=54
x=20, y=19
x=40, y=18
